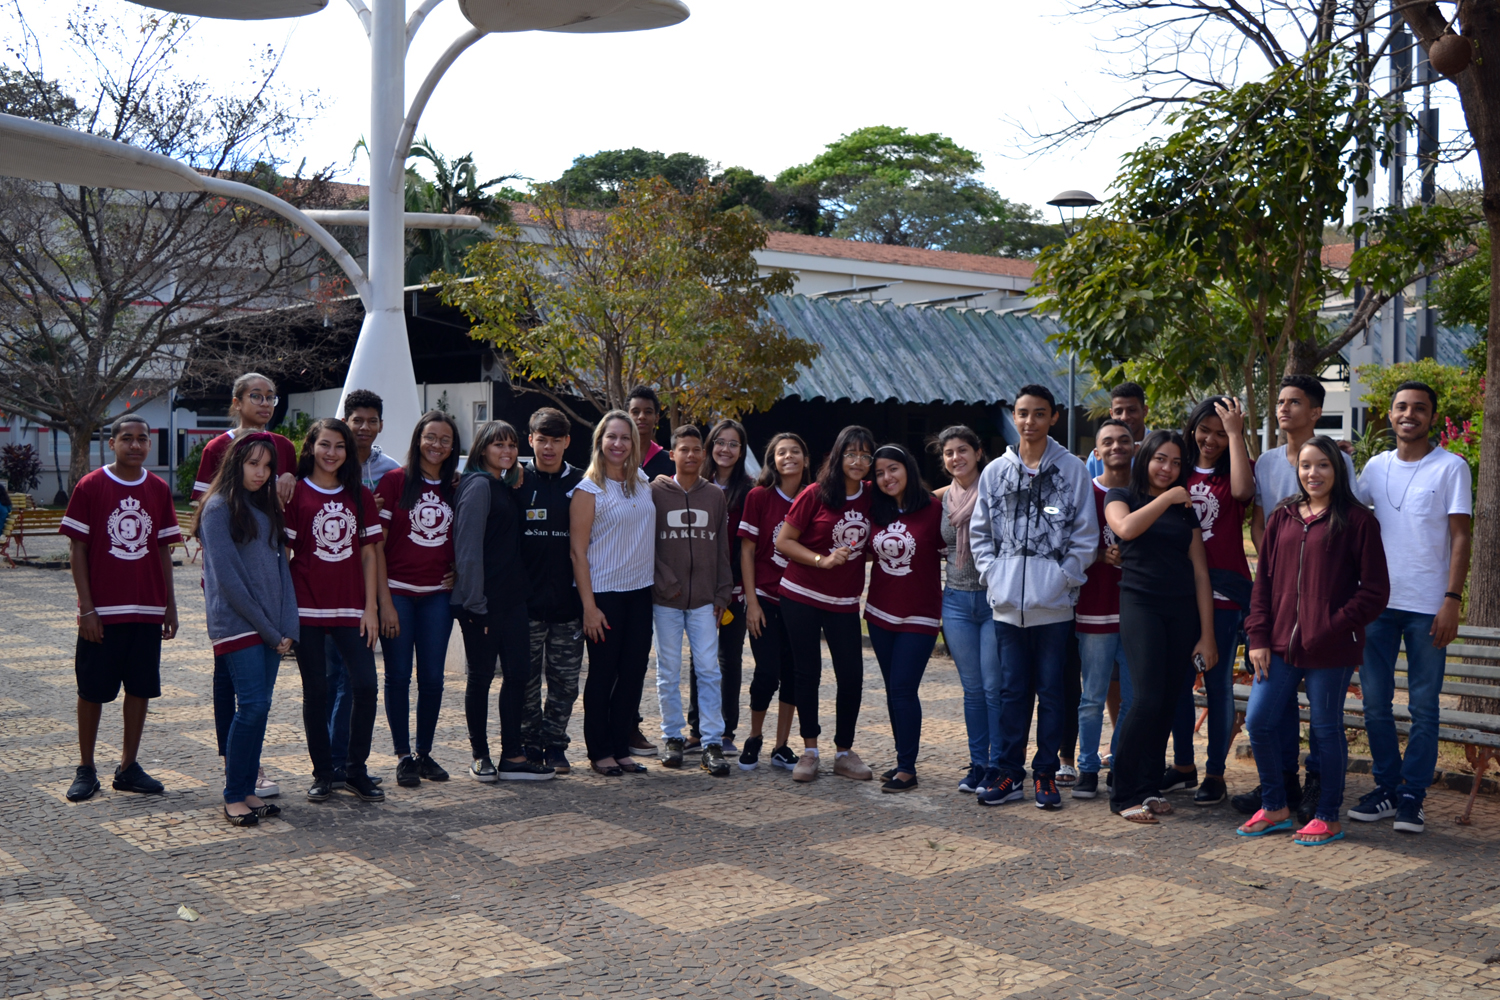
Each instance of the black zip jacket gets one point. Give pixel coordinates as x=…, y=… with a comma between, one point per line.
x=545, y=498
x=486, y=545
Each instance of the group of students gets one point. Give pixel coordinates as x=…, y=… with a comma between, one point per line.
x=1060, y=588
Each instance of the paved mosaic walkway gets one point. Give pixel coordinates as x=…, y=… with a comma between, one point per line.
x=676, y=884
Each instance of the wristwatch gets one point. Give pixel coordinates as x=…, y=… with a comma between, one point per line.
x=817, y=559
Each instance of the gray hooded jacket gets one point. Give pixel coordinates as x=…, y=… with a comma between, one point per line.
x=1033, y=536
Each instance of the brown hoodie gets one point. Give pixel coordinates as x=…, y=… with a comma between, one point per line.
x=692, y=545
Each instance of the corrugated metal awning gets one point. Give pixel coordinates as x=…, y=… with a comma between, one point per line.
x=880, y=351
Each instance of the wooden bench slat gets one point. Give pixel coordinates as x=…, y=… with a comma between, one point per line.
x=1480, y=652
x=1447, y=734
x=1450, y=716
x=1478, y=632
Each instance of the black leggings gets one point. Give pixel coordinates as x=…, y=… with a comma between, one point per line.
x=617, y=669
x=1158, y=635
x=841, y=628
x=312, y=664
x=774, y=667
x=503, y=633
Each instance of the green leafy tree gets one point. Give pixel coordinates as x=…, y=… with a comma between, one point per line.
x=663, y=290
x=596, y=181
x=454, y=190
x=894, y=155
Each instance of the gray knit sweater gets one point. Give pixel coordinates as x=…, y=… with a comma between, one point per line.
x=248, y=586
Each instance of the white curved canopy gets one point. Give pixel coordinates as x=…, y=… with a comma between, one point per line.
x=635, y=15
x=41, y=152
x=237, y=10
x=572, y=15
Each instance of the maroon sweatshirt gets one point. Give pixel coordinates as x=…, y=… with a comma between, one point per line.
x=1316, y=590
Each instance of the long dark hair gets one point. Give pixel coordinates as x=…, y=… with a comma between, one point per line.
x=739, y=481
x=1140, y=472
x=769, y=476
x=1201, y=412
x=1341, y=499
x=883, y=509
x=831, y=472
x=494, y=432
x=348, y=473
x=229, y=483
x=411, y=492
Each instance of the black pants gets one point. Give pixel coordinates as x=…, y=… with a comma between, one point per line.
x=1158, y=634
x=503, y=633
x=617, y=669
x=1072, y=695
x=731, y=670
x=774, y=667
x=804, y=623
x=312, y=664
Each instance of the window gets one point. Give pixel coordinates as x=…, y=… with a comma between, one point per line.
x=481, y=417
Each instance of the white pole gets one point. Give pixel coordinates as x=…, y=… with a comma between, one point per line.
x=382, y=356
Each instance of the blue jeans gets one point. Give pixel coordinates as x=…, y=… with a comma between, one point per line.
x=1424, y=681
x=702, y=630
x=903, y=660
x=340, y=705
x=1031, y=674
x=252, y=676
x=1100, y=653
x=1265, y=721
x=1218, y=689
x=426, y=623
x=969, y=631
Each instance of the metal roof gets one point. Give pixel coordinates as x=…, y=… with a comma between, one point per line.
x=1450, y=341
x=879, y=351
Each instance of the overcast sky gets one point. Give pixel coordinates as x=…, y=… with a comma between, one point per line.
x=763, y=85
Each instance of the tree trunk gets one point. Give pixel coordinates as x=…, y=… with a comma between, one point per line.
x=80, y=440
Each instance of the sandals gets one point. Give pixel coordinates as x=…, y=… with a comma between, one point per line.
x=613, y=771
x=249, y=819
x=1159, y=805
x=1272, y=826
x=1140, y=814
x=1317, y=828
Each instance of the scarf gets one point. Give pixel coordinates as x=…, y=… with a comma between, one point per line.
x=960, y=510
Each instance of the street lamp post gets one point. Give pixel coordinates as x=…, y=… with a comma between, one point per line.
x=382, y=357
x=1073, y=201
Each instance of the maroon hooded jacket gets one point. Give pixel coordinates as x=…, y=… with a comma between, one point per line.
x=1316, y=590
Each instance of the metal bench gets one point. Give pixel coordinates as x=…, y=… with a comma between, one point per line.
x=33, y=522
x=1477, y=732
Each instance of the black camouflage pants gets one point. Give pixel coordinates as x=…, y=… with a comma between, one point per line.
x=557, y=653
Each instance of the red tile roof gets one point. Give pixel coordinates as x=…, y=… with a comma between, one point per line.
x=879, y=253
x=1338, y=255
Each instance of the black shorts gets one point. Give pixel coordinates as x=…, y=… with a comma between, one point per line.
x=130, y=655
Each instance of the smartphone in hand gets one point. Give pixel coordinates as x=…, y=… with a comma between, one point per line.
x=1199, y=663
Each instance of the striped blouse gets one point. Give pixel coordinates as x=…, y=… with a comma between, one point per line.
x=622, y=543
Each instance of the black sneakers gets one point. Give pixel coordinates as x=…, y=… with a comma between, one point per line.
x=407, y=773
x=321, y=789
x=1177, y=781
x=482, y=770
x=357, y=780
x=85, y=783
x=429, y=769
x=783, y=757
x=557, y=759
x=135, y=779
x=672, y=756
x=713, y=760
x=524, y=770
x=1211, y=792
x=1409, y=815
x=750, y=755
x=1312, y=790
x=1087, y=785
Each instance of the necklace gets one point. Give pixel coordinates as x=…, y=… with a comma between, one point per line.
x=1409, y=481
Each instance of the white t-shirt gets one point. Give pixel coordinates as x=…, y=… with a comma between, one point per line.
x=1412, y=502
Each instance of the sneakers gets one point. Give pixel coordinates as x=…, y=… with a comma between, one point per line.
x=673, y=756
x=846, y=764
x=407, y=775
x=1312, y=790
x=357, y=780
x=1377, y=805
x=729, y=747
x=1067, y=774
x=713, y=760
x=990, y=780
x=1246, y=802
x=483, y=770
x=973, y=779
x=1046, y=793
x=693, y=743
x=640, y=746
x=135, y=779
x=750, y=756
x=1409, y=815
x=557, y=759
x=807, y=767
x=1211, y=792
x=340, y=779
x=1003, y=791
x=85, y=783
x=429, y=769
x=783, y=757
x=321, y=789
x=524, y=770
x=1178, y=781
x=265, y=788
x=1087, y=786
x=534, y=754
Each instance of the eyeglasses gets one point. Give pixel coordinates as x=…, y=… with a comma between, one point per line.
x=261, y=399
x=860, y=457
x=442, y=441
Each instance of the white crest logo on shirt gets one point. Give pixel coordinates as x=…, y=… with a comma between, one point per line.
x=777, y=557
x=430, y=519
x=1110, y=538
x=129, y=530
x=333, y=530
x=1207, y=506
x=851, y=530
x=894, y=546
